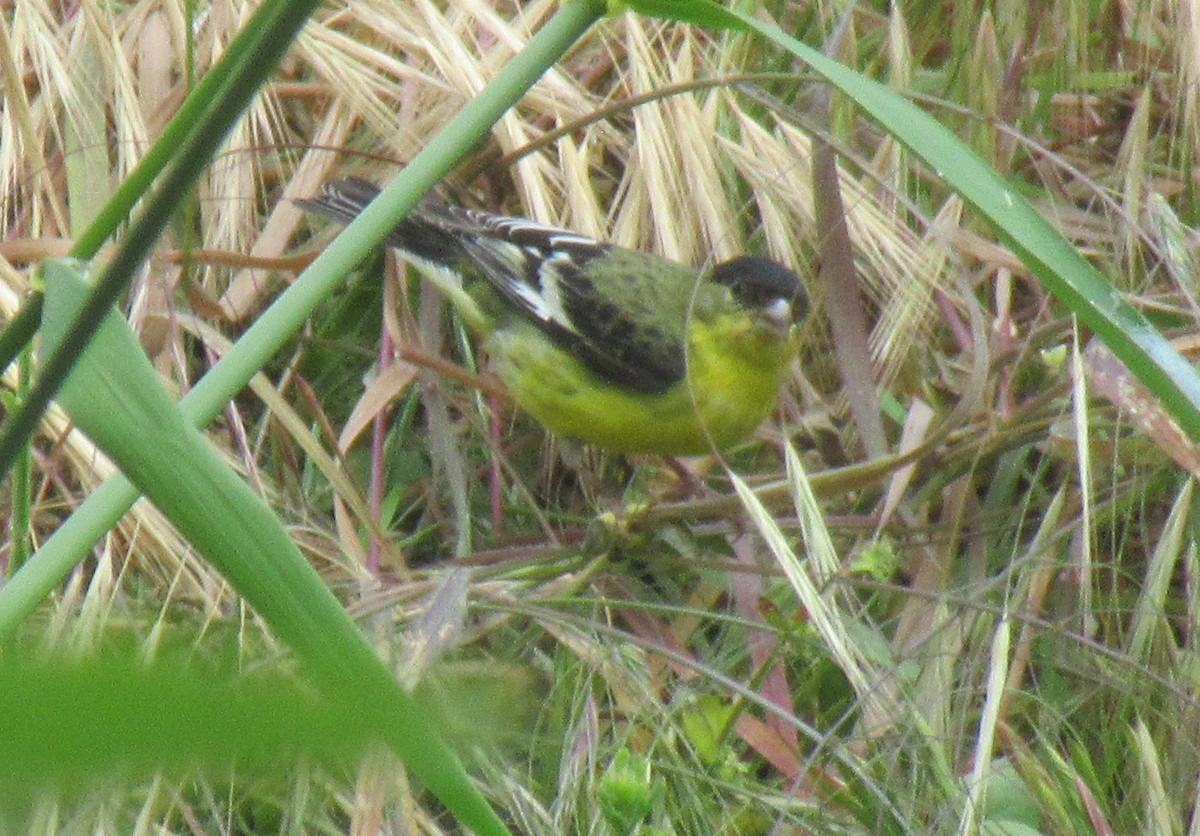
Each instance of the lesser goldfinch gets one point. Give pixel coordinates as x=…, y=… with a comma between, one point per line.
x=618, y=348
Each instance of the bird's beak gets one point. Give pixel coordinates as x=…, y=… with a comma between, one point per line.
x=779, y=316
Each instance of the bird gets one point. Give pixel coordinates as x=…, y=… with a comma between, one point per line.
x=618, y=348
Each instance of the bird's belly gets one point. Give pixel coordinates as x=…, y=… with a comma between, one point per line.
x=685, y=420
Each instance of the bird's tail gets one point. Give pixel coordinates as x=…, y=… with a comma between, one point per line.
x=422, y=234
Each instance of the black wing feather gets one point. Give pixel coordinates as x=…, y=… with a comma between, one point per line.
x=520, y=260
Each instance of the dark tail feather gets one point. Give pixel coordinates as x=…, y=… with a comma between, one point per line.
x=343, y=200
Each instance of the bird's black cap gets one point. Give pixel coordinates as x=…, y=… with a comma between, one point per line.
x=757, y=282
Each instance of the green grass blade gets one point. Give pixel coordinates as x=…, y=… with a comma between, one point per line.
x=1061, y=269
x=263, y=339
x=272, y=40
x=192, y=115
x=113, y=395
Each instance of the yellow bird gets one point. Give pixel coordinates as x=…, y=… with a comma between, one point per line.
x=618, y=348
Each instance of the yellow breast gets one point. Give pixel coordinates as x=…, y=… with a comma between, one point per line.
x=734, y=373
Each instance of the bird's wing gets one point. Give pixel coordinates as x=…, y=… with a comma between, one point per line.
x=603, y=304
x=622, y=313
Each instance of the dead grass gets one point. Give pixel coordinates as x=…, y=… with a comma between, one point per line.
x=1032, y=611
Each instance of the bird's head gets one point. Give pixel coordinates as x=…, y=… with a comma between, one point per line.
x=765, y=287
